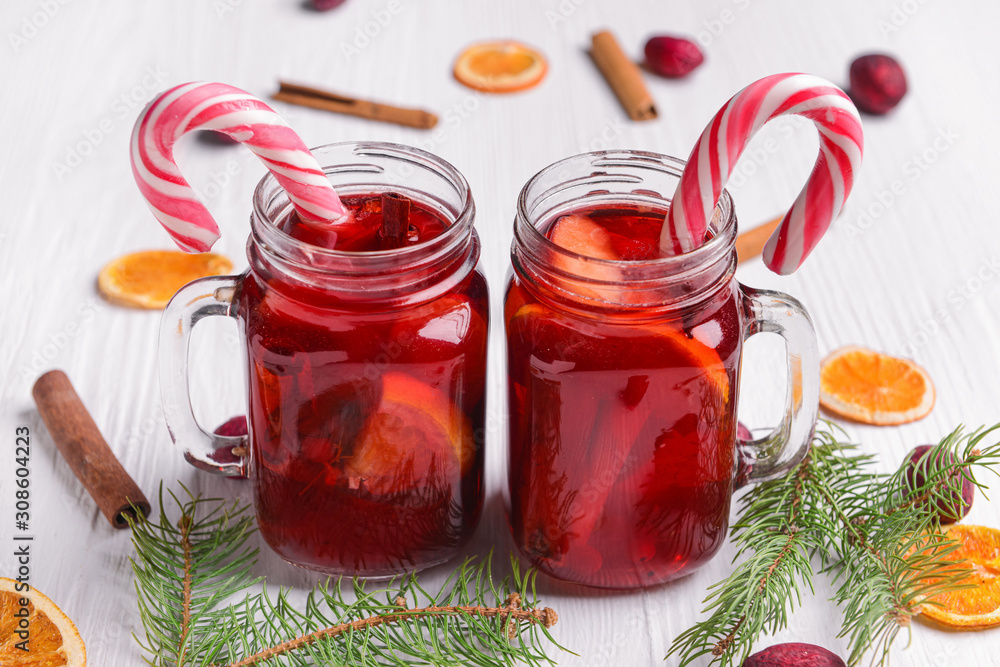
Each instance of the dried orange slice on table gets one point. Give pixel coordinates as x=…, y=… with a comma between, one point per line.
x=148, y=279
x=500, y=67
x=53, y=640
x=874, y=388
x=975, y=608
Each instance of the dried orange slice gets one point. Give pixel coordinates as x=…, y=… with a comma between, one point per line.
x=500, y=67
x=148, y=279
x=874, y=388
x=52, y=638
x=974, y=608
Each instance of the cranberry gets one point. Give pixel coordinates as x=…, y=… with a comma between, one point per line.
x=878, y=83
x=326, y=5
x=742, y=432
x=794, y=655
x=952, y=505
x=672, y=57
x=234, y=427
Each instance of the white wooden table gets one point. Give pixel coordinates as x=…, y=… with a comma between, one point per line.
x=912, y=267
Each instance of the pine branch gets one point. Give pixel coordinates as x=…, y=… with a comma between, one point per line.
x=896, y=552
x=184, y=571
x=878, y=536
x=185, y=527
x=510, y=613
x=779, y=527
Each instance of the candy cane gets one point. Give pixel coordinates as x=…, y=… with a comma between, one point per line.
x=721, y=144
x=216, y=106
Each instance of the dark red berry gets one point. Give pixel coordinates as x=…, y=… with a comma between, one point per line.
x=742, y=432
x=326, y=5
x=794, y=654
x=234, y=427
x=952, y=504
x=672, y=56
x=878, y=83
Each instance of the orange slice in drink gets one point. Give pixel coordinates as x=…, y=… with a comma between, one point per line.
x=590, y=275
x=416, y=436
x=660, y=373
x=978, y=607
x=874, y=388
x=531, y=318
x=500, y=67
x=443, y=344
x=52, y=638
x=581, y=235
x=149, y=279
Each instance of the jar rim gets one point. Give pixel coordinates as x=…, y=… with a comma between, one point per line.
x=264, y=227
x=723, y=238
x=614, y=287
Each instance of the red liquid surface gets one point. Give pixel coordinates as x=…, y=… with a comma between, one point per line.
x=621, y=434
x=366, y=423
x=362, y=232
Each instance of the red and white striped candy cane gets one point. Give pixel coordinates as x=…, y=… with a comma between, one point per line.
x=216, y=106
x=721, y=144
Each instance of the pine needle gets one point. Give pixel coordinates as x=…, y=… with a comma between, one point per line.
x=878, y=536
x=187, y=567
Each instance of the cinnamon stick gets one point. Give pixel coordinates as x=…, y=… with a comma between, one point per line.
x=623, y=76
x=326, y=100
x=751, y=243
x=395, y=220
x=85, y=450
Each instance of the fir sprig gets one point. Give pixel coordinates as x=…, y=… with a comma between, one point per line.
x=185, y=570
x=877, y=535
x=186, y=567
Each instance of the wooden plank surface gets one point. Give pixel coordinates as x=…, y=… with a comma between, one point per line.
x=912, y=267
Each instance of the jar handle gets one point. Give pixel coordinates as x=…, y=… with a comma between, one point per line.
x=224, y=455
x=781, y=450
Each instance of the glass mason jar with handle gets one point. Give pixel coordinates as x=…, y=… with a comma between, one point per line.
x=366, y=371
x=624, y=375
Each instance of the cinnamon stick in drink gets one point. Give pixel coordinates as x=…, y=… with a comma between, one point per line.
x=395, y=220
x=623, y=76
x=85, y=450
